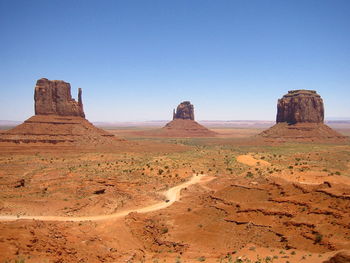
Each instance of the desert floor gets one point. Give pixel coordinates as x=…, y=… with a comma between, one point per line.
x=224, y=199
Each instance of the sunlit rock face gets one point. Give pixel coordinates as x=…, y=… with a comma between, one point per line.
x=300, y=106
x=53, y=97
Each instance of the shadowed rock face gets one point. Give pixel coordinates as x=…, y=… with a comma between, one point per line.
x=340, y=257
x=53, y=97
x=300, y=106
x=184, y=111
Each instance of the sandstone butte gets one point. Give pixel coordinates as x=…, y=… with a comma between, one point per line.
x=300, y=117
x=183, y=124
x=58, y=119
x=53, y=97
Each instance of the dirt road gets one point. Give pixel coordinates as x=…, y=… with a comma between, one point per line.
x=172, y=195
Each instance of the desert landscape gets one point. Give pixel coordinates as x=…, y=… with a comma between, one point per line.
x=71, y=192
x=174, y=131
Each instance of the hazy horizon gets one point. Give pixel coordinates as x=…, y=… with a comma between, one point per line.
x=137, y=60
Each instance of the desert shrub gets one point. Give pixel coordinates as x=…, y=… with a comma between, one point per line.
x=318, y=237
x=249, y=174
x=160, y=171
x=201, y=259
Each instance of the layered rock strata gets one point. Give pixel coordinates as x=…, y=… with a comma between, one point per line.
x=300, y=106
x=58, y=120
x=53, y=97
x=183, y=124
x=300, y=116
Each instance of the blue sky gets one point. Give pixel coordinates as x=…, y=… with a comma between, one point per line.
x=137, y=60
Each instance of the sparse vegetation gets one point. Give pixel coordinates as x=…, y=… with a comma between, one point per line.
x=318, y=237
x=133, y=178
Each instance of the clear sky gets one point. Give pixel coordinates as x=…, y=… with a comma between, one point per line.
x=137, y=60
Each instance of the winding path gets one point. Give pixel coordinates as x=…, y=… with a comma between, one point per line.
x=172, y=194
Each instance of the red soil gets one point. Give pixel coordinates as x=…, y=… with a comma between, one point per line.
x=304, y=132
x=181, y=128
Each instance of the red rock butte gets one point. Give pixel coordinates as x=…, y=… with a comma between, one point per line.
x=183, y=124
x=53, y=97
x=300, y=116
x=58, y=119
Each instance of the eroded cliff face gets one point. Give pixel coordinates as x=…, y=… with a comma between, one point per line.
x=58, y=120
x=300, y=115
x=300, y=106
x=53, y=97
x=184, y=111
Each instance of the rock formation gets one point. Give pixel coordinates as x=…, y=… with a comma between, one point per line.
x=53, y=97
x=340, y=257
x=300, y=106
x=58, y=120
x=184, y=111
x=300, y=116
x=182, y=125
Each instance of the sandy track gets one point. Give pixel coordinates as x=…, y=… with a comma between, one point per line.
x=172, y=194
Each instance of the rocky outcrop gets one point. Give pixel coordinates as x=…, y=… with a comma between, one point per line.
x=340, y=257
x=184, y=111
x=53, y=97
x=182, y=125
x=58, y=120
x=300, y=106
x=300, y=115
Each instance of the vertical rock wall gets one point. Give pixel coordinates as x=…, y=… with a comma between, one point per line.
x=184, y=111
x=53, y=97
x=300, y=106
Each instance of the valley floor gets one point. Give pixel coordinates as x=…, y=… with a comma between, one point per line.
x=251, y=203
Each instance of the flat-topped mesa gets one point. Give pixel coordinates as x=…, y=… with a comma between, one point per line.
x=53, y=97
x=300, y=115
x=300, y=106
x=184, y=111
